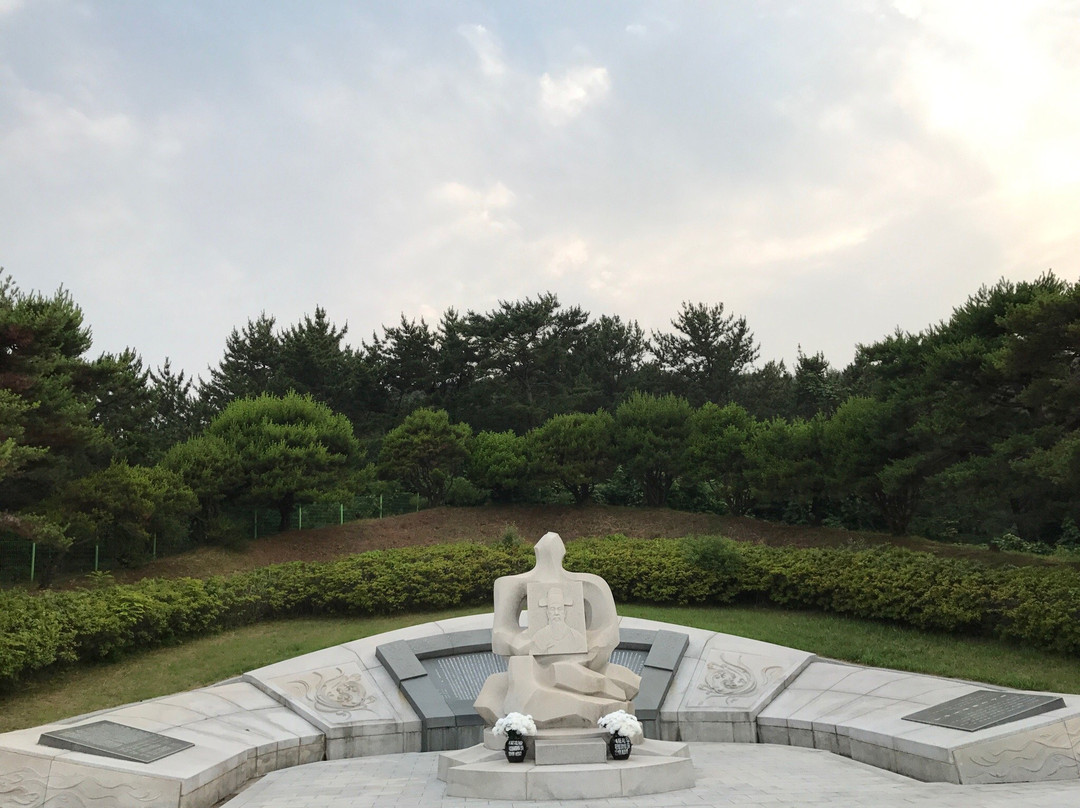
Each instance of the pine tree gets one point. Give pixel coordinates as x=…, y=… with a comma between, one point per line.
x=251, y=366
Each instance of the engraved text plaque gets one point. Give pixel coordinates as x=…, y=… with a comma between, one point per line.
x=109, y=739
x=984, y=709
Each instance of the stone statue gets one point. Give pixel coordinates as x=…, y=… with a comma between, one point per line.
x=559, y=669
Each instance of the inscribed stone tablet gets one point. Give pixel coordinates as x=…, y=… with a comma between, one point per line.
x=461, y=676
x=109, y=739
x=984, y=709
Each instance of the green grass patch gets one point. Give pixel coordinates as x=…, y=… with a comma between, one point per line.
x=200, y=662
x=207, y=660
x=883, y=645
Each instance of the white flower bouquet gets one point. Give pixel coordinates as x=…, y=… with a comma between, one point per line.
x=515, y=722
x=621, y=722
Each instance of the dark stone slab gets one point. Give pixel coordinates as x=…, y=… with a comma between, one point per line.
x=445, y=738
x=109, y=739
x=400, y=661
x=468, y=642
x=639, y=639
x=441, y=676
x=984, y=709
x=667, y=650
x=465, y=715
x=428, y=702
x=655, y=683
x=432, y=645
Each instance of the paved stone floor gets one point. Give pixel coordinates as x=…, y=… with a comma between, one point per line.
x=727, y=775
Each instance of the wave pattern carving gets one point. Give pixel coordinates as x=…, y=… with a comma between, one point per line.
x=1047, y=756
x=23, y=788
x=730, y=679
x=338, y=694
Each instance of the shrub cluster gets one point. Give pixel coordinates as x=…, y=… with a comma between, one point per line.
x=1037, y=606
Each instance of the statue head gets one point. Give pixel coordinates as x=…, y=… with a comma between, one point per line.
x=550, y=551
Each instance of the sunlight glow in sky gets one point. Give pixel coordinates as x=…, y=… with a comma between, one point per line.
x=831, y=170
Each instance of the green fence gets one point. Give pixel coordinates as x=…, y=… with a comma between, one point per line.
x=18, y=560
x=266, y=521
x=21, y=562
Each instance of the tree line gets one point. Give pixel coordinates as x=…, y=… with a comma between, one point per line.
x=965, y=430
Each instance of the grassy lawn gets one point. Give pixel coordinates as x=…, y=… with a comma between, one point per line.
x=200, y=662
x=204, y=661
x=881, y=645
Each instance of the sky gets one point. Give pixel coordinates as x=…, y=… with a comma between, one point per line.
x=831, y=171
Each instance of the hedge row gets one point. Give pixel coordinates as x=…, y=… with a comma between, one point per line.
x=1037, y=606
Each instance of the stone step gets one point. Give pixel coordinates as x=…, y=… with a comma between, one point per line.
x=654, y=767
x=499, y=780
x=552, y=752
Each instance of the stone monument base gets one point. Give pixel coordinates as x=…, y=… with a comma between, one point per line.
x=565, y=765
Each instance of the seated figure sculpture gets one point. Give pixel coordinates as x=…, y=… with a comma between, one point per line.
x=559, y=669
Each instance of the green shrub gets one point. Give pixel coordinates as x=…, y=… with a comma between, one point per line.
x=1011, y=543
x=721, y=558
x=1037, y=606
x=649, y=571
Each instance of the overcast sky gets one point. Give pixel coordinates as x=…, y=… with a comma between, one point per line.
x=829, y=170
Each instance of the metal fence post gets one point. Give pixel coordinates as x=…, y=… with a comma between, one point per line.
x=341, y=505
x=299, y=517
x=97, y=549
x=380, y=506
x=33, y=560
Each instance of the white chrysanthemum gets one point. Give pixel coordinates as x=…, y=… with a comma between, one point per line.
x=515, y=722
x=621, y=722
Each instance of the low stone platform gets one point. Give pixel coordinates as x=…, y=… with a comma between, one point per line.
x=341, y=703
x=654, y=767
x=237, y=734
x=728, y=775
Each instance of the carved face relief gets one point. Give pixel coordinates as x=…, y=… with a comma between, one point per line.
x=557, y=618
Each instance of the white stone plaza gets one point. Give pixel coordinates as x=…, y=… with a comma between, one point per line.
x=387, y=720
x=726, y=775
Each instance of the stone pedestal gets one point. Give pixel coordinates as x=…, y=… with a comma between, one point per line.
x=558, y=770
x=587, y=750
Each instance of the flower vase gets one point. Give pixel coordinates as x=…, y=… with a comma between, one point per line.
x=514, y=748
x=619, y=746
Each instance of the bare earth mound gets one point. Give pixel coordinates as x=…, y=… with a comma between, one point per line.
x=490, y=522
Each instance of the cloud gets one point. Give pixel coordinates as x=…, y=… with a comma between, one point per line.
x=475, y=211
x=1002, y=89
x=467, y=197
x=563, y=99
x=44, y=126
x=829, y=175
x=10, y=6
x=568, y=256
x=487, y=49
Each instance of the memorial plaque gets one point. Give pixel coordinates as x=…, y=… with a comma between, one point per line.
x=984, y=709
x=460, y=676
x=109, y=739
x=630, y=658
